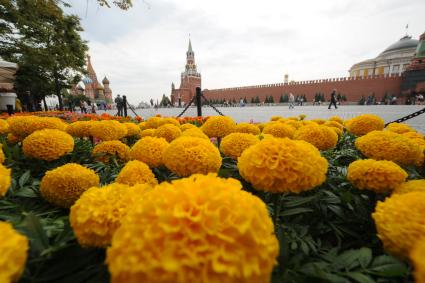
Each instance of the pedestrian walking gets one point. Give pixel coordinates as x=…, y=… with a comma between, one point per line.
x=333, y=99
x=291, y=101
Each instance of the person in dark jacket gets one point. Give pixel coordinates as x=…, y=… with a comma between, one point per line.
x=333, y=99
x=119, y=102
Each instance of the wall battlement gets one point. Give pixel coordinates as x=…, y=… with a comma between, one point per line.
x=310, y=82
x=352, y=87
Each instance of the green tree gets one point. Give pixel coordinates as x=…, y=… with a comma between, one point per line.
x=122, y=4
x=165, y=101
x=252, y=100
x=46, y=44
x=271, y=99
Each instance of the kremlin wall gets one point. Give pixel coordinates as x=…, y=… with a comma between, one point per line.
x=403, y=74
x=352, y=87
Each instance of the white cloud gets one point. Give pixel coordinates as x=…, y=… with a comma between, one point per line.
x=239, y=42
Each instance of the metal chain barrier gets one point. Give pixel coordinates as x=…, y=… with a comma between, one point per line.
x=212, y=106
x=408, y=117
x=187, y=106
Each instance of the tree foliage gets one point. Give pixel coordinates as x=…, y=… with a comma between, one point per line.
x=46, y=44
x=122, y=4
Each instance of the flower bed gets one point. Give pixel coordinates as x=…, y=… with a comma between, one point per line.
x=88, y=198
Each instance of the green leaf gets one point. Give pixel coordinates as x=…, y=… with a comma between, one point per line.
x=26, y=192
x=24, y=178
x=365, y=257
x=298, y=200
x=360, y=277
x=388, y=266
x=348, y=259
x=36, y=233
x=294, y=211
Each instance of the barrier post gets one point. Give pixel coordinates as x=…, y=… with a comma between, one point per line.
x=124, y=102
x=198, y=101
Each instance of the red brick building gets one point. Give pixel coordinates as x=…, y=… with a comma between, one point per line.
x=353, y=88
x=190, y=80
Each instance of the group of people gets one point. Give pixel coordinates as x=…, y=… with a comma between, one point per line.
x=292, y=100
x=84, y=106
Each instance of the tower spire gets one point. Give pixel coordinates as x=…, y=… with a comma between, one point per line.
x=90, y=70
x=190, y=46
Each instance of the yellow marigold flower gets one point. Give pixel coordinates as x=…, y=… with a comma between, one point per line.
x=283, y=165
x=308, y=123
x=5, y=180
x=168, y=132
x=276, y=118
x=198, y=229
x=105, y=150
x=168, y=120
x=152, y=122
x=63, y=185
x=294, y=124
x=149, y=150
x=279, y=130
x=2, y=158
x=247, y=128
x=48, y=144
x=399, y=128
x=418, y=138
x=411, y=186
x=338, y=131
x=334, y=124
x=97, y=214
x=108, y=130
x=363, y=124
x=218, y=126
x=12, y=139
x=132, y=130
x=22, y=126
x=80, y=129
x=400, y=222
x=13, y=253
x=319, y=121
x=189, y=155
x=136, y=172
x=195, y=132
x=390, y=146
x=418, y=260
x=142, y=126
x=379, y=176
x=187, y=126
x=337, y=119
x=234, y=144
x=4, y=127
x=322, y=137
x=147, y=133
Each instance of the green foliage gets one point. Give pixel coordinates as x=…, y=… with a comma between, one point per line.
x=122, y=4
x=46, y=44
x=325, y=235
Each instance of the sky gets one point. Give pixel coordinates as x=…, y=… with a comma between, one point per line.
x=238, y=42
